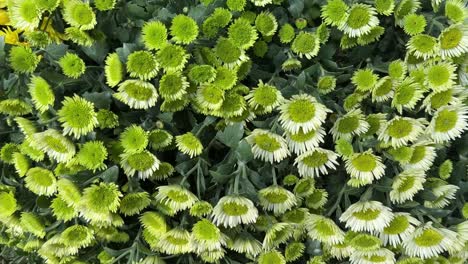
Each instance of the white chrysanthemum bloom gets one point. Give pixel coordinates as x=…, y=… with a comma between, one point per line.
x=448, y=123
x=302, y=112
x=143, y=163
x=245, y=243
x=361, y=19
x=316, y=162
x=339, y=251
x=422, y=158
x=440, y=76
x=261, y=2
x=175, y=241
x=264, y=98
x=24, y=14
x=137, y=94
x=453, y=41
x=406, y=184
x=462, y=230
x=268, y=146
x=207, y=236
x=367, y=216
x=444, y=194
x=380, y=256
x=277, y=199
x=399, y=229
x=277, y=234
x=176, y=197
x=407, y=94
x=233, y=210
x=383, y=90
x=427, y=241
x=57, y=146
x=365, y=166
x=401, y=130
x=324, y=230
x=437, y=99
x=301, y=142
x=351, y=124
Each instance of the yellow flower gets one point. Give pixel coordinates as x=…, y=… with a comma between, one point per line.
x=53, y=34
x=4, y=18
x=11, y=37
x=3, y=3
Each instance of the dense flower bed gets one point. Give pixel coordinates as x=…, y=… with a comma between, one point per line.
x=233, y=131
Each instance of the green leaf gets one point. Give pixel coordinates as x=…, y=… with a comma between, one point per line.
x=231, y=135
x=110, y=175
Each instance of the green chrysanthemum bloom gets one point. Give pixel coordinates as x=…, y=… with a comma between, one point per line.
x=210, y=96
x=189, y=144
x=55, y=145
x=201, y=208
x=423, y=46
x=440, y=76
x=143, y=162
x=23, y=60
x=77, y=236
x=49, y=5
x=154, y=35
x=401, y=154
x=72, y=65
x=364, y=79
x=453, y=41
x=397, y=69
x=26, y=126
x=113, y=70
x=448, y=123
x=154, y=223
x=79, y=14
x=104, y=5
x=264, y=98
x=207, y=236
x=61, y=210
x=291, y=64
x=38, y=39
x=33, y=224
x=21, y=163
x=178, y=198
x=266, y=24
x=41, y=181
x=272, y=256
x=384, y=7
x=77, y=116
x=306, y=44
x=33, y=152
x=286, y=33
x=174, y=106
x=335, y=12
x=294, y=251
x=107, y=119
x=401, y=130
x=134, y=139
x=236, y=5
x=455, y=10
x=242, y=33
x=24, y=14
x=407, y=95
x=142, y=64
x=159, y=139
x=300, y=23
x=172, y=57
x=414, y=24
x=225, y=78
x=219, y=19
x=361, y=19
x=405, y=8
x=41, y=93
x=134, y=203
x=348, y=42
x=68, y=192
x=445, y=169
x=8, y=204
x=323, y=33
x=184, y=29
x=229, y=53
x=100, y=199
x=78, y=36
x=233, y=106
x=164, y=171
x=201, y=74
x=173, y=86
x=137, y=94
x=15, y=107
x=92, y=155
x=373, y=35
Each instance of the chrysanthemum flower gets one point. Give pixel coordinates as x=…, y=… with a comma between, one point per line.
x=351, y=124
x=176, y=197
x=339, y=251
x=335, y=13
x=21, y=163
x=33, y=224
x=142, y=64
x=175, y=241
x=422, y=158
x=382, y=256
x=304, y=187
x=68, y=192
x=113, y=70
x=229, y=54
x=427, y=241
x=446, y=169
x=277, y=234
x=62, y=211
x=414, y=24
x=242, y=33
x=144, y=163
x=55, y=145
x=383, y=89
x=245, y=243
x=7, y=151
x=137, y=94
x=134, y=203
x=201, y=208
x=217, y=20
x=401, y=130
x=302, y=112
x=233, y=210
x=189, y=144
x=154, y=35
x=306, y=44
x=184, y=29
x=407, y=94
x=38, y=39
x=397, y=69
x=277, y=199
x=201, y=74
x=233, y=105
x=92, y=155
x=41, y=181
x=23, y=60
x=365, y=166
x=175, y=106
x=77, y=236
x=360, y=20
x=423, y=46
x=272, y=256
x=372, y=36
x=24, y=14
x=77, y=116
x=436, y=100
x=264, y=98
x=406, y=185
x=268, y=146
x=455, y=10
x=448, y=123
x=99, y=200
x=159, y=139
x=207, y=236
x=286, y=33
x=384, y=7
x=154, y=223
x=444, y=194
x=364, y=79
x=399, y=229
x=316, y=162
x=301, y=142
x=72, y=65
x=134, y=139
x=261, y=2
x=317, y=199
x=294, y=251
x=404, y=8
x=173, y=86
x=104, y=5
x=15, y=107
x=8, y=204
x=79, y=14
x=324, y=230
x=440, y=76
x=107, y=119
x=266, y=24
x=79, y=36
x=363, y=244
x=326, y=84
x=236, y=5
x=172, y=58
x=367, y=216
x=225, y=78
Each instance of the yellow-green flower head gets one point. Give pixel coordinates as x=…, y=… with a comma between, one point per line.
x=154, y=35
x=218, y=19
x=207, y=237
x=444, y=194
x=98, y=200
x=79, y=14
x=381, y=255
x=26, y=126
x=77, y=236
x=41, y=181
x=134, y=203
x=294, y=251
x=360, y=20
x=15, y=107
x=364, y=79
x=228, y=53
x=41, y=94
x=316, y=162
x=245, y=243
x=68, y=191
x=173, y=86
x=399, y=229
x=175, y=106
x=164, y=171
x=453, y=41
x=113, y=70
x=291, y=64
x=137, y=94
x=326, y=84
x=324, y=230
x=134, y=139
x=286, y=33
x=236, y=5
x=172, y=58
x=176, y=241
x=225, y=78
x=277, y=199
x=72, y=65
x=233, y=210
x=427, y=241
x=306, y=44
x=383, y=89
x=154, y=223
x=344, y=148
x=372, y=36
x=348, y=42
x=49, y=5
x=266, y=24
x=351, y=124
x=401, y=154
x=317, y=199
x=301, y=142
x=160, y=139
x=397, y=69
x=8, y=204
x=264, y=98
x=23, y=60
x=92, y=155
x=77, y=116
x=201, y=74
x=384, y=7
x=455, y=10
x=335, y=13
x=267, y=146
x=422, y=158
x=24, y=14
x=142, y=64
x=414, y=24
x=423, y=46
x=62, y=211
x=367, y=216
x=38, y=39
x=242, y=33
x=405, y=8
x=399, y=131
x=406, y=184
x=445, y=169
x=184, y=29
x=323, y=33
x=107, y=119
x=189, y=144
x=448, y=123
x=277, y=234
x=143, y=162
x=365, y=166
x=104, y=5
x=440, y=76
x=33, y=224
x=304, y=187
x=272, y=256
x=32, y=151
x=201, y=209
x=55, y=145
x=407, y=94
x=233, y=105
x=21, y=163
